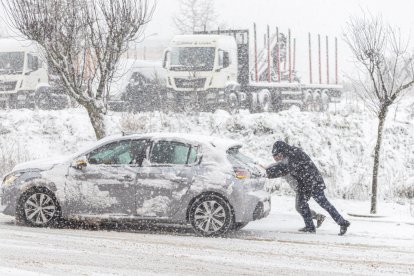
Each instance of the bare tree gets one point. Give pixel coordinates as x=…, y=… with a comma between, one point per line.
x=83, y=41
x=195, y=15
x=387, y=65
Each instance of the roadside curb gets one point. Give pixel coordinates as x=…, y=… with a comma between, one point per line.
x=366, y=215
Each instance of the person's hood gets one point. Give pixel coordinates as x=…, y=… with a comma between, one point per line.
x=281, y=147
x=41, y=164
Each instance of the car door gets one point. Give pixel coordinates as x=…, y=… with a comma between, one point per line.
x=106, y=185
x=165, y=178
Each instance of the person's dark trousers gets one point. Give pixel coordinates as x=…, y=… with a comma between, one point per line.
x=298, y=204
x=319, y=196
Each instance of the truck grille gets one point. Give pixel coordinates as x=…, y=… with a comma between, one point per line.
x=8, y=85
x=189, y=83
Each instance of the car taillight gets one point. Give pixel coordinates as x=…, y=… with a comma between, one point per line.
x=241, y=173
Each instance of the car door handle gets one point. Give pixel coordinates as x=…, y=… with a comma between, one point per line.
x=178, y=180
x=127, y=178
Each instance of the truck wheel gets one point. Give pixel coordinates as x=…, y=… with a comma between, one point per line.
x=254, y=102
x=277, y=102
x=265, y=101
x=12, y=102
x=307, y=101
x=232, y=103
x=43, y=100
x=324, y=101
x=316, y=104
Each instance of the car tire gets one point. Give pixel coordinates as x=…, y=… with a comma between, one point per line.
x=38, y=207
x=239, y=225
x=210, y=215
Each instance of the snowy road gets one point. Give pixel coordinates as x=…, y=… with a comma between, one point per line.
x=267, y=247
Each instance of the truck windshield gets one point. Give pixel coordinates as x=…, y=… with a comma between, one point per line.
x=192, y=58
x=11, y=63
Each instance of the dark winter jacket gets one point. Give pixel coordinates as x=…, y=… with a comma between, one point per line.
x=299, y=166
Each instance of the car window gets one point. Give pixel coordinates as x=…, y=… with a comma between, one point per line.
x=167, y=152
x=118, y=153
x=238, y=159
x=235, y=155
x=192, y=157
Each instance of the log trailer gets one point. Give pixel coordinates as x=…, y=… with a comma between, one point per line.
x=212, y=70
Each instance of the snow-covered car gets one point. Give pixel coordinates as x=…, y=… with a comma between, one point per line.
x=176, y=178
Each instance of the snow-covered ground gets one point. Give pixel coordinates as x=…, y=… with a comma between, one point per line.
x=341, y=143
x=271, y=246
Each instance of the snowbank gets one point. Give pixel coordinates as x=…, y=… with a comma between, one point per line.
x=341, y=143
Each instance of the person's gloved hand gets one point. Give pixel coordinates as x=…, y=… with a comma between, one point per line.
x=260, y=165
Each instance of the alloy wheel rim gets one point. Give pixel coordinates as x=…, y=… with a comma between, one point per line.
x=39, y=208
x=209, y=216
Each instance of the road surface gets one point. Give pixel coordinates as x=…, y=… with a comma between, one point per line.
x=271, y=246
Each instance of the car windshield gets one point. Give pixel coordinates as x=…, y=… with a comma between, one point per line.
x=192, y=58
x=11, y=63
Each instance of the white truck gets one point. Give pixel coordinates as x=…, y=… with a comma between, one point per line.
x=213, y=70
x=21, y=73
x=24, y=78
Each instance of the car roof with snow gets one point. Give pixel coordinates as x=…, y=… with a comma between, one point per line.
x=211, y=141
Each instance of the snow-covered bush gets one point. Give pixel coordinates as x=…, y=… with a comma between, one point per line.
x=11, y=153
x=340, y=145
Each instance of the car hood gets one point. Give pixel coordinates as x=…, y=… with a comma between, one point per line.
x=42, y=164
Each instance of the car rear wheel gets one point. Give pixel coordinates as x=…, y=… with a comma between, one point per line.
x=210, y=216
x=38, y=208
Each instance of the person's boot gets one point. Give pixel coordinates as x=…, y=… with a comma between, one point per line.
x=307, y=230
x=319, y=220
x=344, y=228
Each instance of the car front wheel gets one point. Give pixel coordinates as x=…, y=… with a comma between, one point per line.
x=38, y=207
x=210, y=216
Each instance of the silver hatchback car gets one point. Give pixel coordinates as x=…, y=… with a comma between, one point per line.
x=175, y=178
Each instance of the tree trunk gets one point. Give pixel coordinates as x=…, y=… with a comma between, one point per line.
x=97, y=118
x=381, y=117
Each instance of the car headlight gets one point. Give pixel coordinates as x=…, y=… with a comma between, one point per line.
x=8, y=180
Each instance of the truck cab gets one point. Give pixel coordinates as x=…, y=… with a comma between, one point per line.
x=21, y=72
x=201, y=64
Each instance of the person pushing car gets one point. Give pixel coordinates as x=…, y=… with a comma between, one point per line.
x=296, y=163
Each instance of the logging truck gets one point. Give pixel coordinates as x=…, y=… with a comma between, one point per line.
x=215, y=69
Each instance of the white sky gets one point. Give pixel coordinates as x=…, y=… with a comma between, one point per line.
x=327, y=17
x=324, y=16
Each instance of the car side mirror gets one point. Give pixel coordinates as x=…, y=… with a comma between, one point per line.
x=166, y=60
x=80, y=163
